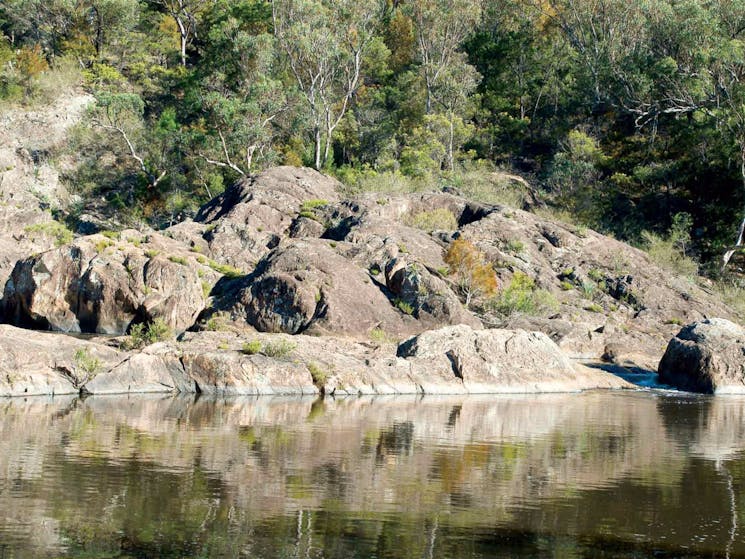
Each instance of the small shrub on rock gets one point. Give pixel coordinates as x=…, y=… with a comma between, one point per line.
x=86, y=362
x=58, y=231
x=251, y=348
x=142, y=334
x=473, y=275
x=319, y=375
x=440, y=219
x=279, y=349
x=522, y=296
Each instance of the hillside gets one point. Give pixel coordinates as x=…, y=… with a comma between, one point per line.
x=284, y=253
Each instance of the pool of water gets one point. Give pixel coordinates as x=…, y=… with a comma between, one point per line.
x=634, y=474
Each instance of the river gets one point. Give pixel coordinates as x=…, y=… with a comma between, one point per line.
x=600, y=474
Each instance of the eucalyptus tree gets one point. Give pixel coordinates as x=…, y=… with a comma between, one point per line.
x=122, y=115
x=441, y=28
x=185, y=14
x=240, y=108
x=324, y=43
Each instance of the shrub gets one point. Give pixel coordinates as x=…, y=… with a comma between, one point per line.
x=113, y=235
x=473, y=276
x=438, y=219
x=102, y=245
x=515, y=246
x=666, y=254
x=86, y=362
x=142, y=334
x=319, y=375
x=58, y=231
x=225, y=269
x=366, y=180
x=178, y=260
x=522, y=296
x=251, y=348
x=380, y=336
x=733, y=295
x=403, y=306
x=278, y=349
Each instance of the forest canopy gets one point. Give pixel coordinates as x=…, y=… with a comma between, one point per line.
x=628, y=115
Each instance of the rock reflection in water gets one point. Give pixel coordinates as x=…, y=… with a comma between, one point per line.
x=556, y=475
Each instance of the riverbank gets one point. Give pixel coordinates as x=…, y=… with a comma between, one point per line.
x=451, y=360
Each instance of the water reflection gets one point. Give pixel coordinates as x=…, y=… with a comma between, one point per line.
x=596, y=474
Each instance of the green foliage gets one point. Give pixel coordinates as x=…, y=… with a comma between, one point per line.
x=380, y=336
x=179, y=260
x=143, y=334
x=252, y=348
x=308, y=208
x=523, y=297
x=319, y=375
x=403, y=306
x=515, y=246
x=667, y=253
x=438, y=219
x=225, y=269
x=622, y=117
x=732, y=293
x=86, y=362
x=279, y=349
x=58, y=231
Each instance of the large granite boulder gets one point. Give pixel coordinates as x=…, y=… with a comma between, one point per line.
x=706, y=356
x=250, y=218
x=306, y=285
x=102, y=285
x=501, y=361
x=44, y=363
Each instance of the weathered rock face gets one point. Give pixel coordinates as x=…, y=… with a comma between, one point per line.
x=102, y=286
x=250, y=217
x=508, y=360
x=40, y=363
x=706, y=356
x=29, y=183
x=608, y=291
x=453, y=360
x=232, y=373
x=306, y=285
x=155, y=370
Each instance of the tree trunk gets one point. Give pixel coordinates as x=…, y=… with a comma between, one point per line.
x=317, y=135
x=451, y=149
x=327, y=147
x=184, y=32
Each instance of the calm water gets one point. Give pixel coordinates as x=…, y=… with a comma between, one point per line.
x=561, y=476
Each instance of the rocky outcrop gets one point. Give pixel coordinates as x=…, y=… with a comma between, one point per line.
x=607, y=291
x=245, y=222
x=39, y=363
x=501, y=361
x=307, y=285
x=706, y=356
x=284, y=252
x=30, y=184
x=452, y=360
x=102, y=285
x=313, y=286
